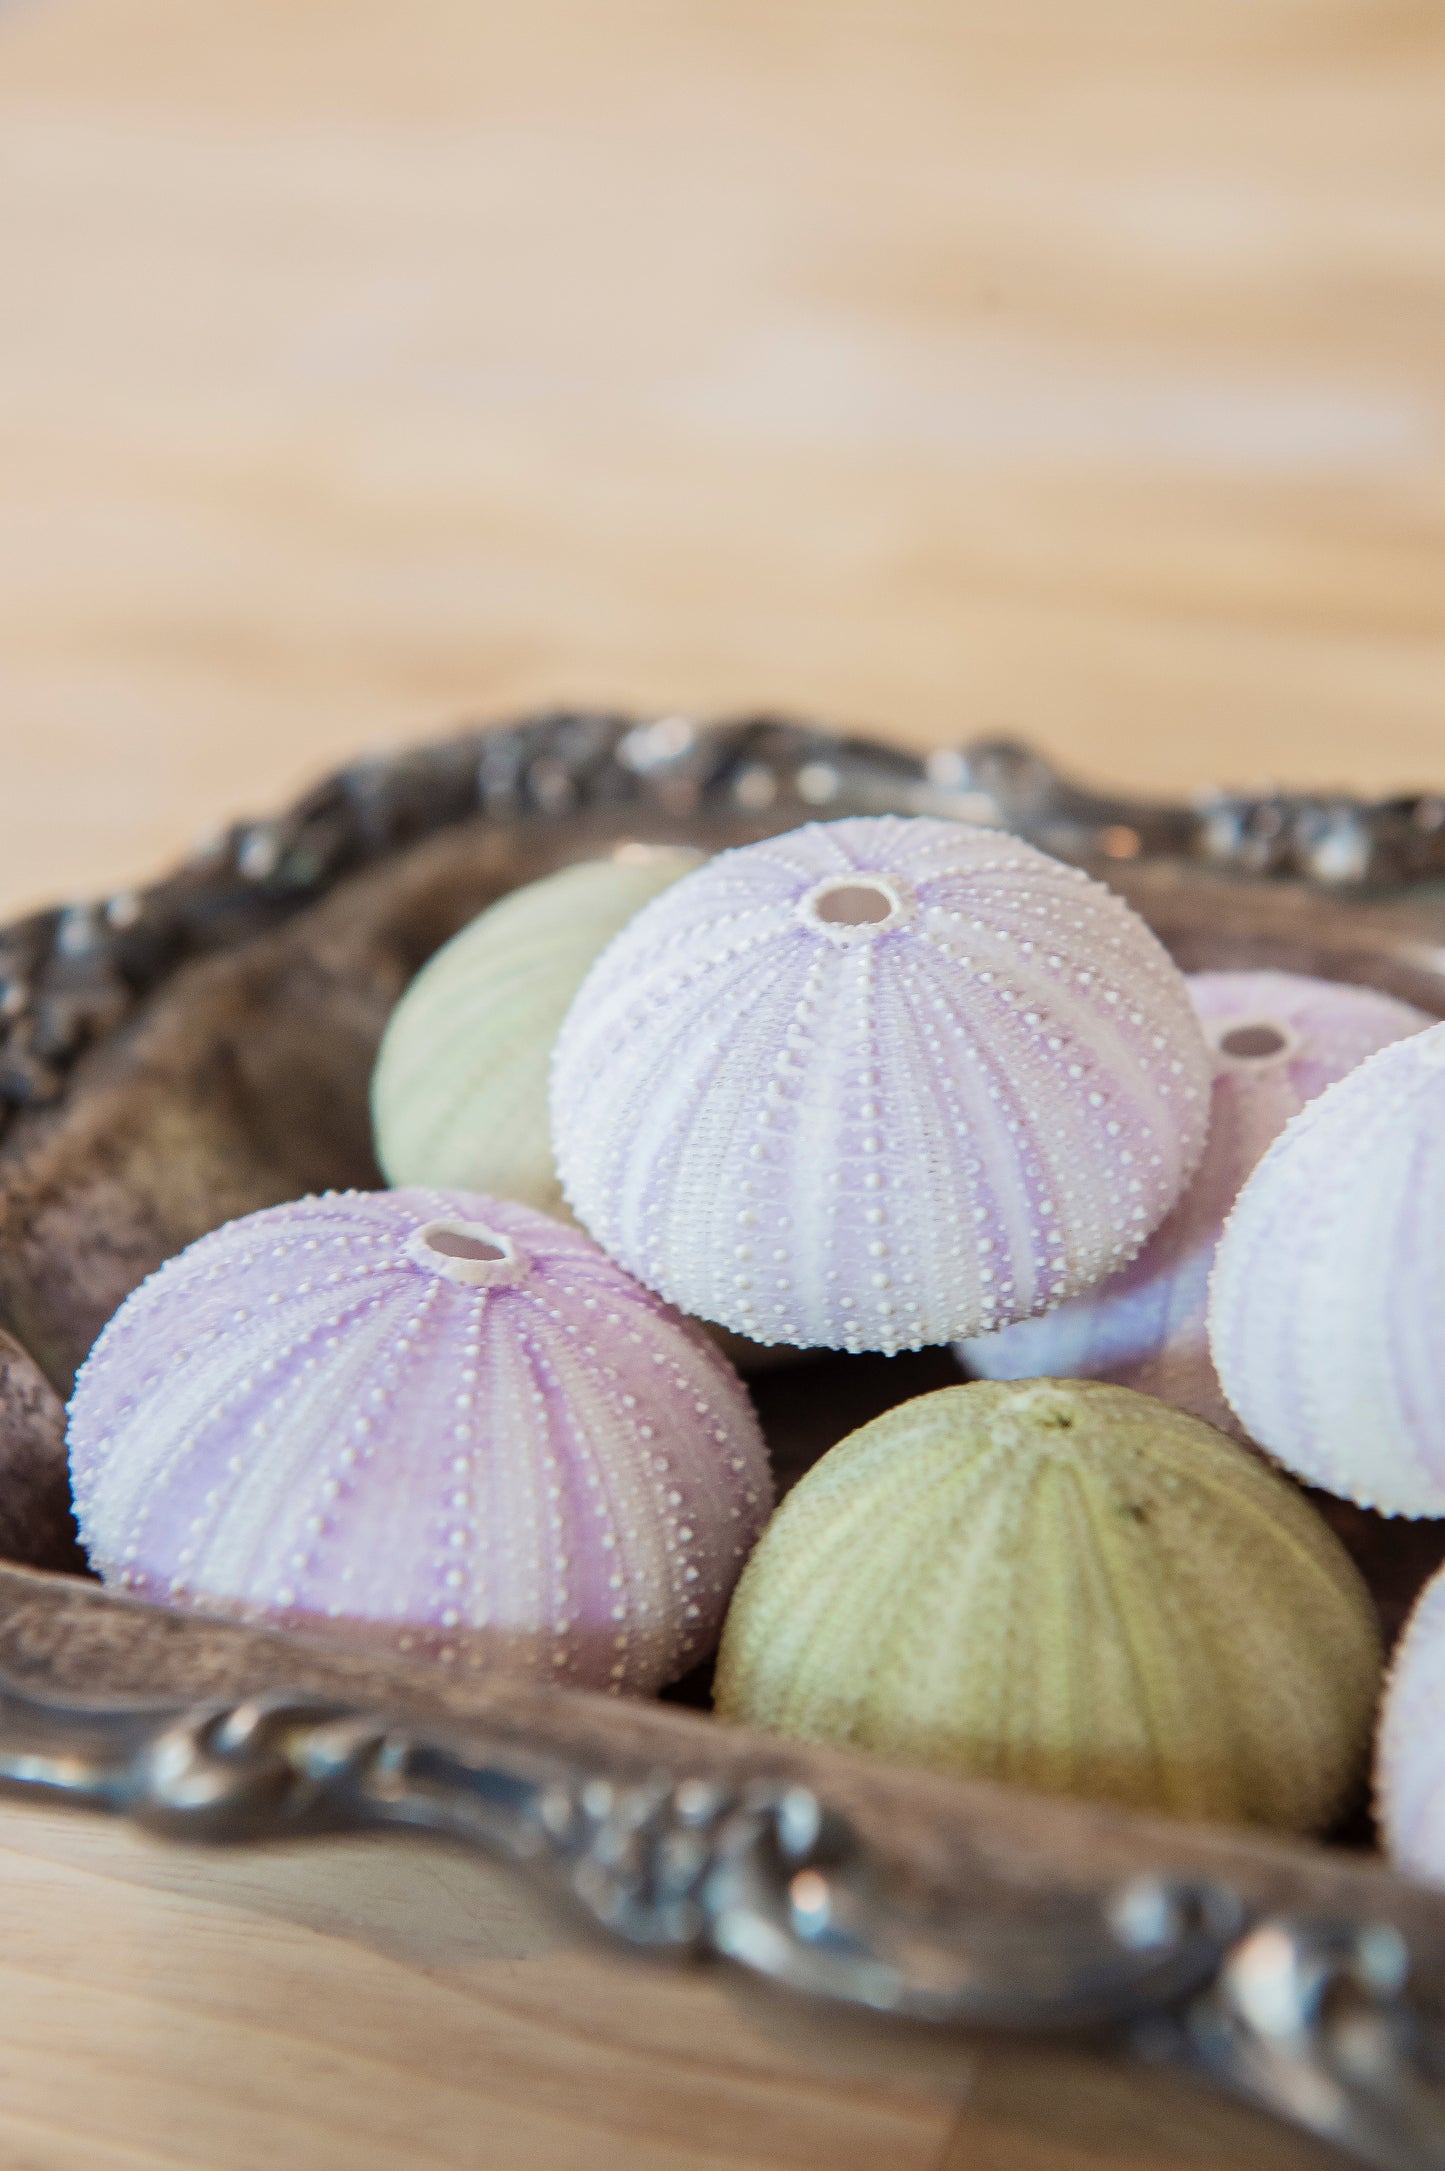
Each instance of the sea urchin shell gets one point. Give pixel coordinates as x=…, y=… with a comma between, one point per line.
x=1278, y=1040
x=877, y=1083
x=1410, y=1759
x=1328, y=1293
x=1069, y=1586
x=438, y=1418
x=459, y=1096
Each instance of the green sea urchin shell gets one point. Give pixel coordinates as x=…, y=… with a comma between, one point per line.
x=1070, y=1586
x=459, y=1097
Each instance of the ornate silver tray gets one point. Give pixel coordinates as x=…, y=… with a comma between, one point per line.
x=179, y=1055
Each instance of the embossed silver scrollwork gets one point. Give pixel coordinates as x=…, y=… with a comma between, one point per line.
x=73, y=975
x=1318, y=2022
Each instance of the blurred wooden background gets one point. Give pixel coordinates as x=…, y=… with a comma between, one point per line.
x=932, y=366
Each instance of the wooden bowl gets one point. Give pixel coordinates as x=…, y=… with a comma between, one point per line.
x=220, y=1063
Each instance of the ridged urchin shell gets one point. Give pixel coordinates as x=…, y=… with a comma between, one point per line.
x=878, y=1083
x=1067, y=1586
x=1410, y=1746
x=1278, y=1039
x=1328, y=1291
x=427, y=1416
x=459, y=1095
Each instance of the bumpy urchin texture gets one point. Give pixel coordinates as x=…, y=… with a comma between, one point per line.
x=1328, y=1292
x=439, y=1419
x=1069, y=1586
x=878, y=1083
x=1278, y=1039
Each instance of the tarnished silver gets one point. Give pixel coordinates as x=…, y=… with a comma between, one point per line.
x=1336, y=2026
x=1319, y=2022
x=763, y=1875
x=69, y=976
x=1324, y=2023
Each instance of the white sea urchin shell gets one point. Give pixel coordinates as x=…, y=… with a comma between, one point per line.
x=1278, y=1040
x=1328, y=1292
x=1410, y=1749
x=878, y=1083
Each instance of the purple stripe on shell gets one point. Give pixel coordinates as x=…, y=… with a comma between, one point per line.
x=321, y=1415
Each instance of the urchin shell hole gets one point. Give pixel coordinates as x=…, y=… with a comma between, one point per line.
x=1258, y=1040
x=452, y=1244
x=856, y=904
x=467, y=1252
x=855, y=907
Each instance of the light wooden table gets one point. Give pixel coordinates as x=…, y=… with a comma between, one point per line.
x=934, y=367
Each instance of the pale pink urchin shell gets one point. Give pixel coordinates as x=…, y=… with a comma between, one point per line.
x=428, y=1415
x=878, y=1083
x=1328, y=1292
x=1410, y=1749
x=1278, y=1039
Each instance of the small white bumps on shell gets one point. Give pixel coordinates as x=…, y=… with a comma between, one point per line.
x=430, y=1418
x=1328, y=1291
x=1410, y=1754
x=878, y=1083
x=459, y=1095
x=1067, y=1586
x=1278, y=1040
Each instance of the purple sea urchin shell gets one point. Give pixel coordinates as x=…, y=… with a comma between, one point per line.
x=1278, y=1040
x=1410, y=1749
x=441, y=1418
x=1327, y=1296
x=878, y=1083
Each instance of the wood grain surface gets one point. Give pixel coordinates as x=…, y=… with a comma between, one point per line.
x=932, y=366
x=399, y=2006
